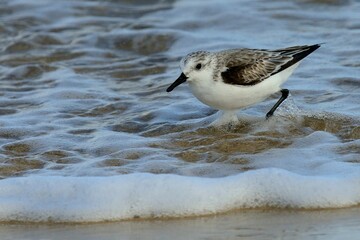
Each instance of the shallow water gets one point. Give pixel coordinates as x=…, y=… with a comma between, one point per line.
x=90, y=134
x=247, y=224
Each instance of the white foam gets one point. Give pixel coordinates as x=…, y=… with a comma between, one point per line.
x=93, y=199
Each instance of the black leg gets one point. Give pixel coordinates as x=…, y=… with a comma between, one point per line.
x=285, y=94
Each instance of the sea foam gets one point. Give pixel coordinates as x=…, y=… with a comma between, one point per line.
x=144, y=195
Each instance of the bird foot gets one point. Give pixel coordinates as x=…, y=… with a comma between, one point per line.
x=225, y=118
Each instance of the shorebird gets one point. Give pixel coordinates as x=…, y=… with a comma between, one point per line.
x=233, y=79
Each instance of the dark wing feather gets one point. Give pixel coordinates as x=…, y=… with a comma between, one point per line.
x=251, y=66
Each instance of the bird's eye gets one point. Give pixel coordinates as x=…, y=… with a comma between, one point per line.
x=198, y=66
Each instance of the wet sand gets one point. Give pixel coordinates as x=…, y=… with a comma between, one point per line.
x=244, y=224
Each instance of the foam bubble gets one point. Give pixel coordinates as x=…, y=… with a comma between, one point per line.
x=94, y=199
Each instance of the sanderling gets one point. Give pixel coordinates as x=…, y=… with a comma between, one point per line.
x=233, y=79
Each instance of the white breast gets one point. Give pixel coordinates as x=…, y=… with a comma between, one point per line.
x=231, y=97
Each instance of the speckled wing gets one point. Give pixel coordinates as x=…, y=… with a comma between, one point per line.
x=252, y=66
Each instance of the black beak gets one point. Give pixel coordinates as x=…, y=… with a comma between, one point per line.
x=177, y=82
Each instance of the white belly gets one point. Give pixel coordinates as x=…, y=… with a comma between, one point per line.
x=231, y=97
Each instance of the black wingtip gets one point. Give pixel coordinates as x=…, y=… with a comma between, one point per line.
x=313, y=48
x=304, y=51
x=307, y=49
